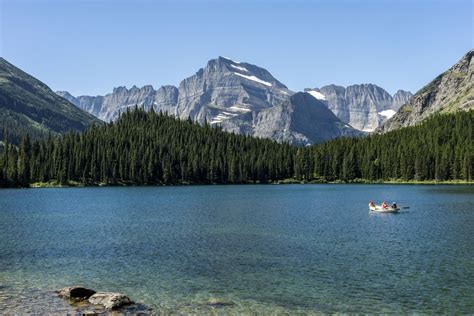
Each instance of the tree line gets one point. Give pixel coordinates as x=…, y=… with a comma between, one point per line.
x=149, y=148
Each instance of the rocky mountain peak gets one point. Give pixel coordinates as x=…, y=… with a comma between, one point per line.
x=147, y=87
x=120, y=89
x=226, y=90
x=451, y=91
x=244, y=70
x=401, y=97
x=302, y=119
x=363, y=106
x=66, y=95
x=401, y=93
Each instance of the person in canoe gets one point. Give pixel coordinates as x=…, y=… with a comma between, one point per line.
x=371, y=203
x=394, y=204
x=384, y=205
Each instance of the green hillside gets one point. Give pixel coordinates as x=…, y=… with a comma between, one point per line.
x=29, y=106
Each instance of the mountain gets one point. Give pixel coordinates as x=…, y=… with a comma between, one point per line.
x=400, y=98
x=238, y=96
x=29, y=106
x=363, y=106
x=225, y=89
x=216, y=93
x=108, y=107
x=449, y=92
x=302, y=119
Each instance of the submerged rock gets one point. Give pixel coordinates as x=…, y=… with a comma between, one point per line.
x=77, y=293
x=110, y=300
x=88, y=301
x=219, y=302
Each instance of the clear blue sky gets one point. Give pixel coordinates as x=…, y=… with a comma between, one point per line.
x=89, y=47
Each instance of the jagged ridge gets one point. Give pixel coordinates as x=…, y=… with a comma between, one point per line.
x=240, y=97
x=363, y=106
x=449, y=92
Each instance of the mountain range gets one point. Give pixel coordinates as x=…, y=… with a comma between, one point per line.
x=246, y=99
x=239, y=97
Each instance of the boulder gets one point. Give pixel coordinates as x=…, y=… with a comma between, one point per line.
x=110, y=300
x=77, y=293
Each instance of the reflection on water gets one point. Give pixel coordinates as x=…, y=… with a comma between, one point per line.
x=291, y=248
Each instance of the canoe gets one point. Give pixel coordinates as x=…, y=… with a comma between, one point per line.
x=379, y=209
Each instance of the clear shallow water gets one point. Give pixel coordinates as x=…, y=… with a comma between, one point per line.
x=267, y=248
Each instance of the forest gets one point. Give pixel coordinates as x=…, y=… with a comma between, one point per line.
x=149, y=148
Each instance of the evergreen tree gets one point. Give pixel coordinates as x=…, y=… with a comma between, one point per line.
x=143, y=148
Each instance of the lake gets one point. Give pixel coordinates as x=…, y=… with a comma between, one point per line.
x=266, y=248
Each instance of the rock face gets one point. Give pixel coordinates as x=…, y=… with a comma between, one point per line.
x=364, y=106
x=226, y=90
x=110, y=300
x=400, y=98
x=301, y=120
x=449, y=92
x=109, y=107
x=239, y=97
x=29, y=106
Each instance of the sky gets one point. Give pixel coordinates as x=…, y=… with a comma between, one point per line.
x=88, y=47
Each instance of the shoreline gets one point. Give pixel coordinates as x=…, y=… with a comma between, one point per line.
x=73, y=184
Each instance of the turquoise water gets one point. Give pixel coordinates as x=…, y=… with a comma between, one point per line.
x=267, y=248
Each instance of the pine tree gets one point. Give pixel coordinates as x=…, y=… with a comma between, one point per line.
x=24, y=162
x=150, y=148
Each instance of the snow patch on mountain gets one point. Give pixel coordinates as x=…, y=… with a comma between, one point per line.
x=239, y=68
x=239, y=109
x=222, y=117
x=253, y=78
x=235, y=62
x=387, y=113
x=317, y=95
